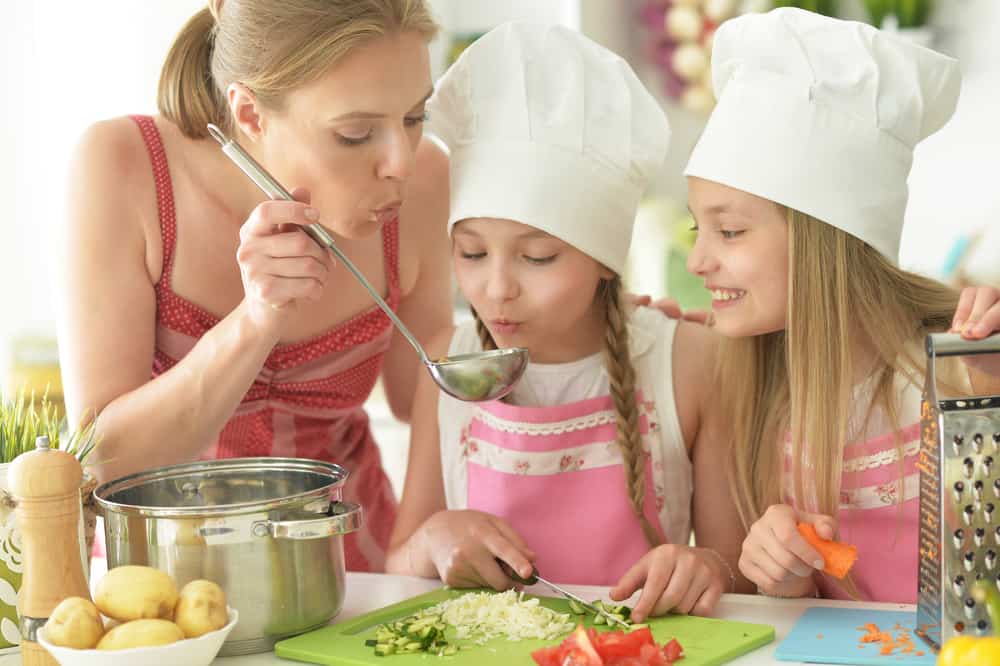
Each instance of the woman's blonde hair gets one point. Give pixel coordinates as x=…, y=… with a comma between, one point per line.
x=621, y=377
x=842, y=292
x=271, y=47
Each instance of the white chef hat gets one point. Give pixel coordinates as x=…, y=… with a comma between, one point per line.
x=822, y=115
x=547, y=128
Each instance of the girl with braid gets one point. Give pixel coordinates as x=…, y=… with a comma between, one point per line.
x=600, y=462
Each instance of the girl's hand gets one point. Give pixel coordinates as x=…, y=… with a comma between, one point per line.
x=673, y=578
x=978, y=313
x=463, y=544
x=777, y=558
x=279, y=263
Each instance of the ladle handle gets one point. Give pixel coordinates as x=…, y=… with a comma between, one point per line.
x=316, y=231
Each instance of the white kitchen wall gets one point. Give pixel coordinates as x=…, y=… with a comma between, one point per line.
x=954, y=184
x=66, y=64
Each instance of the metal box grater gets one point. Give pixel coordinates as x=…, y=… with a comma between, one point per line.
x=959, y=463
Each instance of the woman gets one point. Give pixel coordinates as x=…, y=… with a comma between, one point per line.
x=197, y=320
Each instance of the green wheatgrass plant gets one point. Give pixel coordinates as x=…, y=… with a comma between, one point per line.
x=23, y=419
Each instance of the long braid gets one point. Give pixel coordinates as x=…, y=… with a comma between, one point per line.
x=484, y=333
x=621, y=377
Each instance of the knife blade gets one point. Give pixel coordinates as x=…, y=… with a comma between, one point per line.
x=535, y=578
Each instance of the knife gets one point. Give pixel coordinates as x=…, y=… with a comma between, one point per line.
x=535, y=578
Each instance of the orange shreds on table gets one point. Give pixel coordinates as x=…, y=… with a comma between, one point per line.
x=903, y=640
x=838, y=558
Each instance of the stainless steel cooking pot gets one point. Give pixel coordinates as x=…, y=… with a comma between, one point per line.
x=268, y=530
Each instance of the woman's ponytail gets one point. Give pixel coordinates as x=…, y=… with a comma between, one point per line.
x=187, y=94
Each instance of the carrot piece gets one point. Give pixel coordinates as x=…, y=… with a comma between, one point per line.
x=838, y=558
x=888, y=645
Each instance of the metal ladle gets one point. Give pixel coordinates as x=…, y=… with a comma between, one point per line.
x=474, y=377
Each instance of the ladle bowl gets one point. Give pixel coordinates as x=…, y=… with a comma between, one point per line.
x=480, y=376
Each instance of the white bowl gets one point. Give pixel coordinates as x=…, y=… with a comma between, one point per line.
x=199, y=651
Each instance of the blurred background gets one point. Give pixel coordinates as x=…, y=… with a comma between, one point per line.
x=67, y=64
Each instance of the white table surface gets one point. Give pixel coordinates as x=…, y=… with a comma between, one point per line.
x=367, y=592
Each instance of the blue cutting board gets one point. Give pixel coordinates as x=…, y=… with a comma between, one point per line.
x=832, y=636
x=706, y=641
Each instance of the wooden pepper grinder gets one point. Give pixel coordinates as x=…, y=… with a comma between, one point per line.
x=46, y=485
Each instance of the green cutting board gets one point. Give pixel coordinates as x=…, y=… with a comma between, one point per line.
x=706, y=641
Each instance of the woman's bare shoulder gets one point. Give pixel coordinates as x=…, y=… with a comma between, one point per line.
x=113, y=146
x=112, y=192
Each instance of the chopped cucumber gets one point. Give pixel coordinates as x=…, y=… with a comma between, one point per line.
x=417, y=633
x=576, y=608
x=620, y=611
x=384, y=650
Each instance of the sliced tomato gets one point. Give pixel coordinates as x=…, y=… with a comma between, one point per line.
x=652, y=655
x=648, y=655
x=673, y=650
x=613, y=644
x=625, y=661
x=578, y=650
x=642, y=636
x=579, y=657
x=548, y=656
x=587, y=647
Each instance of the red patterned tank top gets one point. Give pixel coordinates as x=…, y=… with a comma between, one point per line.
x=307, y=400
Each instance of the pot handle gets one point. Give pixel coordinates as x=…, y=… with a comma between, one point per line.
x=347, y=517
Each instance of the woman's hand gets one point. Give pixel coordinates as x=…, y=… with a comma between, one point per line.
x=463, y=544
x=279, y=263
x=976, y=317
x=777, y=558
x=674, y=578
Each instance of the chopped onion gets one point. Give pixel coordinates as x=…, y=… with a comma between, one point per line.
x=482, y=616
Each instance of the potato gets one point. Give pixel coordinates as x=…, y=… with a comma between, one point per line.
x=141, y=633
x=135, y=592
x=201, y=608
x=75, y=623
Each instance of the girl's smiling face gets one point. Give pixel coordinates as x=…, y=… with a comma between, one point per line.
x=530, y=288
x=741, y=252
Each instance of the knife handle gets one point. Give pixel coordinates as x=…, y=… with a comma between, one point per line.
x=516, y=577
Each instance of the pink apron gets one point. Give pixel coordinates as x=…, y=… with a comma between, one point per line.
x=556, y=475
x=879, y=514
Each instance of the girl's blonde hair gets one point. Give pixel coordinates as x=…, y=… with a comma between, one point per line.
x=842, y=292
x=621, y=376
x=271, y=47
